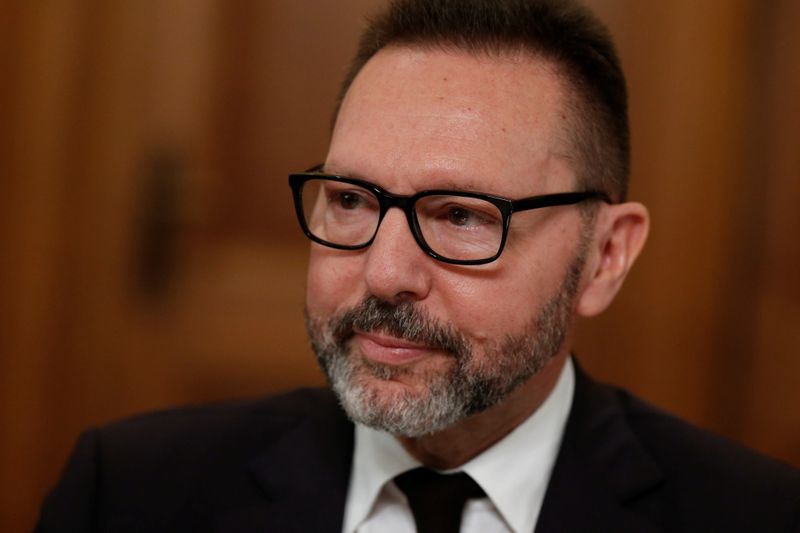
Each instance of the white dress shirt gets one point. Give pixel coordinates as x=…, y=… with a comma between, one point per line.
x=514, y=473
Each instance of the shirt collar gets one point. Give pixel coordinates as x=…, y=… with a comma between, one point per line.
x=377, y=458
x=514, y=472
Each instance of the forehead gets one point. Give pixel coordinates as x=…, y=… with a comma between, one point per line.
x=418, y=118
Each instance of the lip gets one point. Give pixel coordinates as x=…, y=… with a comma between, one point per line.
x=386, y=349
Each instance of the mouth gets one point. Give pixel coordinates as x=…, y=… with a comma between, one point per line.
x=386, y=349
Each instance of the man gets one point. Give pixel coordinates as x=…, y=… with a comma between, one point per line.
x=471, y=207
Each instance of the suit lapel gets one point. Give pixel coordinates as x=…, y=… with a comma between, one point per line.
x=302, y=478
x=600, y=469
x=303, y=474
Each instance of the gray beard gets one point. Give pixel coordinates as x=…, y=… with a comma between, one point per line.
x=468, y=387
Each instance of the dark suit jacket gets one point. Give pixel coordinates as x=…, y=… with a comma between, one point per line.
x=283, y=464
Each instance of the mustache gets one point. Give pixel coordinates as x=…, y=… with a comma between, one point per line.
x=405, y=321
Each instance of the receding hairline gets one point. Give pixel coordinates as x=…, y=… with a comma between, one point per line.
x=564, y=32
x=497, y=51
x=570, y=99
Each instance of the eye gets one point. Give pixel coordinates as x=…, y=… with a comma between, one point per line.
x=459, y=216
x=458, y=212
x=349, y=200
x=463, y=216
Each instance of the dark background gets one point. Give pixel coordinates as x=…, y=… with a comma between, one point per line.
x=149, y=255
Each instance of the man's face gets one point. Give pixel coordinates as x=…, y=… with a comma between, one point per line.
x=413, y=345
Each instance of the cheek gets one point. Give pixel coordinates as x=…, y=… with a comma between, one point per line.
x=532, y=271
x=490, y=306
x=333, y=282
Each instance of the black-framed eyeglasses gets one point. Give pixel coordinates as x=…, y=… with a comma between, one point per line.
x=457, y=227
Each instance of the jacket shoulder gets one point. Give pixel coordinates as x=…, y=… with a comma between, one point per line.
x=707, y=476
x=143, y=469
x=217, y=421
x=682, y=446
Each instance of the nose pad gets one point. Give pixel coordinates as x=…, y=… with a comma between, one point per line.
x=396, y=267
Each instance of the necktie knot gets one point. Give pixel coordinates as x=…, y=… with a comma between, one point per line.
x=437, y=500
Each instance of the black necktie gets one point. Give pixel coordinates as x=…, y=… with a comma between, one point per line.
x=437, y=500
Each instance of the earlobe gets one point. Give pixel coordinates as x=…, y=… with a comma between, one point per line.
x=620, y=234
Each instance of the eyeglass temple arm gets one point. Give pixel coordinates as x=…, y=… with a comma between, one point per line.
x=564, y=198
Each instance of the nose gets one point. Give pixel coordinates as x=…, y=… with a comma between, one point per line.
x=397, y=269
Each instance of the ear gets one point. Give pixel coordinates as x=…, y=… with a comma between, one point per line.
x=620, y=233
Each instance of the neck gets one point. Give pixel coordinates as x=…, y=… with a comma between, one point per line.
x=458, y=444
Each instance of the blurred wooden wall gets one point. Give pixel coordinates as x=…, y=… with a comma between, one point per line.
x=149, y=255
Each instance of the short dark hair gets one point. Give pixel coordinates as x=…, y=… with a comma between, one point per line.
x=561, y=31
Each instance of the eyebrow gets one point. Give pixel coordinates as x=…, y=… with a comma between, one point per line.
x=443, y=183
x=449, y=183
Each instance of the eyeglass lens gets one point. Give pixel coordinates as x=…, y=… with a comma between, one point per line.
x=452, y=226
